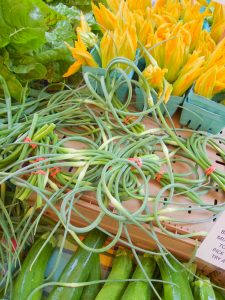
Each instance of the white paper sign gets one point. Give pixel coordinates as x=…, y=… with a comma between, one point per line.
x=220, y=1
x=212, y=249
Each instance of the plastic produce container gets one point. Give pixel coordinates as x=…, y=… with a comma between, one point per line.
x=200, y=113
x=122, y=90
x=171, y=106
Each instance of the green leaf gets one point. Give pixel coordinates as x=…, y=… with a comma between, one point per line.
x=31, y=71
x=72, y=14
x=63, y=32
x=219, y=97
x=21, y=23
x=24, y=23
x=70, y=2
x=27, y=67
x=51, y=17
x=56, y=61
x=32, y=40
x=27, y=39
x=60, y=53
x=14, y=86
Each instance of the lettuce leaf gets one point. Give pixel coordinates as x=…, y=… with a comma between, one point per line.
x=32, y=40
x=72, y=14
x=14, y=85
x=24, y=23
x=62, y=32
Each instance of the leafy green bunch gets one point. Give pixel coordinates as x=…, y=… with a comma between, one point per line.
x=32, y=42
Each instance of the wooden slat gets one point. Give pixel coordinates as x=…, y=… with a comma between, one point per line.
x=181, y=248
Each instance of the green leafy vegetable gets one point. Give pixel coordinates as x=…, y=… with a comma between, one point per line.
x=31, y=29
x=23, y=23
x=72, y=14
x=63, y=32
x=13, y=83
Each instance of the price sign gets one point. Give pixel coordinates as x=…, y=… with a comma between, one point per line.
x=212, y=249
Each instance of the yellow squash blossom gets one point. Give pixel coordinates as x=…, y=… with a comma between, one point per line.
x=217, y=57
x=128, y=45
x=170, y=8
x=159, y=19
x=205, y=44
x=110, y=20
x=124, y=16
x=104, y=17
x=218, y=24
x=174, y=57
x=172, y=43
x=194, y=27
x=82, y=56
x=211, y=82
x=144, y=28
x=168, y=88
x=219, y=87
x=193, y=19
x=166, y=12
x=157, y=40
x=192, y=11
x=205, y=83
x=114, y=5
x=139, y=6
x=118, y=43
x=107, y=48
x=84, y=32
x=84, y=27
x=159, y=4
x=220, y=80
x=155, y=77
x=188, y=74
x=203, y=2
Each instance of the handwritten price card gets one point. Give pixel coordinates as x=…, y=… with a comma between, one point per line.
x=212, y=249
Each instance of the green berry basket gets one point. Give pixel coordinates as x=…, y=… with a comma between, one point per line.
x=200, y=113
x=122, y=90
x=171, y=106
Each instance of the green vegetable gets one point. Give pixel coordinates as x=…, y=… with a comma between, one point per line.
x=23, y=26
x=178, y=287
x=91, y=291
x=121, y=269
x=72, y=14
x=219, y=295
x=203, y=289
x=158, y=285
x=78, y=268
x=23, y=29
x=32, y=272
x=32, y=43
x=192, y=268
x=13, y=83
x=140, y=290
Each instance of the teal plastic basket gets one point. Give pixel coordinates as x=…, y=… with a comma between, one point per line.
x=171, y=106
x=121, y=92
x=200, y=113
x=98, y=72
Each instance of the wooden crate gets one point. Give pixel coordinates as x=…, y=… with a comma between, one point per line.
x=182, y=248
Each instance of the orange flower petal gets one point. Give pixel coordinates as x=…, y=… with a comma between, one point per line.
x=73, y=69
x=84, y=57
